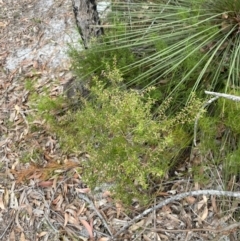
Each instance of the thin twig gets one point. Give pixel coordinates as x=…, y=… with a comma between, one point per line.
x=174, y=198
x=85, y=198
x=9, y=224
x=228, y=229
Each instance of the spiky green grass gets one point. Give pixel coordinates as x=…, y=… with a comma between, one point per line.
x=188, y=44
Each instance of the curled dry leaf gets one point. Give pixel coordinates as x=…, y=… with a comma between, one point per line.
x=42, y=234
x=214, y=205
x=66, y=218
x=22, y=237
x=45, y=184
x=137, y=225
x=146, y=238
x=202, y=202
x=58, y=201
x=190, y=200
x=12, y=236
x=72, y=212
x=81, y=209
x=119, y=208
x=204, y=213
x=88, y=227
x=107, y=194
x=166, y=209
x=103, y=239
x=2, y=203
x=65, y=188
x=17, y=221
x=83, y=190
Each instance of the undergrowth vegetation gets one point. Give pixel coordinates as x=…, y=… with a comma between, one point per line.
x=147, y=75
x=126, y=145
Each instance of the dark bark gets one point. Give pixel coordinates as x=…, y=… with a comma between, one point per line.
x=87, y=19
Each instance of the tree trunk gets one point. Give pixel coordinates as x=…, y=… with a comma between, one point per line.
x=87, y=19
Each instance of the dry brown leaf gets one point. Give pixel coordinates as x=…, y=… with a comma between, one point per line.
x=71, y=211
x=65, y=188
x=17, y=221
x=214, y=205
x=201, y=203
x=42, y=234
x=58, y=201
x=66, y=218
x=137, y=225
x=18, y=109
x=103, y=239
x=3, y=24
x=12, y=116
x=22, y=198
x=22, y=237
x=45, y=183
x=83, y=190
x=12, y=236
x=35, y=64
x=29, y=210
x=55, y=183
x=166, y=209
x=119, y=208
x=173, y=217
x=164, y=237
x=107, y=194
x=35, y=175
x=190, y=200
x=81, y=209
x=2, y=143
x=2, y=203
x=146, y=238
x=162, y=194
x=204, y=213
x=72, y=220
x=88, y=227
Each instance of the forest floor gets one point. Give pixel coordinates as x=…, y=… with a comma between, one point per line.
x=34, y=38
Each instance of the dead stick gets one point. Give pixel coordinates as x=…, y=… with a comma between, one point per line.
x=175, y=198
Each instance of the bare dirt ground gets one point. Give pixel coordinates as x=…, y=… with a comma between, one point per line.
x=33, y=42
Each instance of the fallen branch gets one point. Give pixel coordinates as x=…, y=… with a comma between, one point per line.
x=225, y=229
x=175, y=198
x=227, y=96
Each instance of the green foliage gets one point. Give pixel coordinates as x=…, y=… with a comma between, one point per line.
x=232, y=165
x=182, y=47
x=91, y=62
x=127, y=146
x=231, y=115
x=179, y=47
x=29, y=85
x=219, y=136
